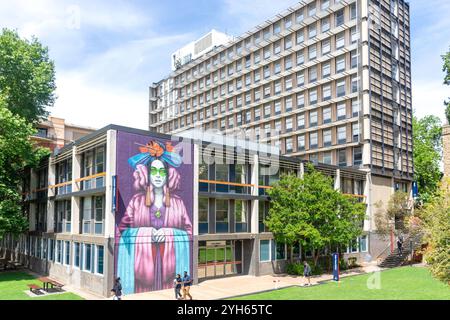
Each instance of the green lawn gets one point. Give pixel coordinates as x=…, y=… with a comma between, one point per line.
x=13, y=285
x=414, y=283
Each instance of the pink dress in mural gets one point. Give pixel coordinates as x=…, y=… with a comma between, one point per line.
x=155, y=261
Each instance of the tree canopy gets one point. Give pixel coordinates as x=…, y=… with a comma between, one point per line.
x=434, y=224
x=310, y=211
x=446, y=69
x=27, y=76
x=427, y=151
x=16, y=151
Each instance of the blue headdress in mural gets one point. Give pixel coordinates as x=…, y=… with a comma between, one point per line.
x=155, y=150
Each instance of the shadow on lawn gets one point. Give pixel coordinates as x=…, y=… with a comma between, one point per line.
x=15, y=276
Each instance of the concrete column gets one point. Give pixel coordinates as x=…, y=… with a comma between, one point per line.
x=51, y=193
x=195, y=189
x=76, y=174
x=110, y=172
x=369, y=208
x=446, y=149
x=254, y=225
x=337, y=180
x=196, y=163
x=301, y=170
x=33, y=187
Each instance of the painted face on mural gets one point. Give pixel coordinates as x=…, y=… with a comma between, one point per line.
x=158, y=174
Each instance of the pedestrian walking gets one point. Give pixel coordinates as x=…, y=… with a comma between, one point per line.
x=307, y=272
x=178, y=283
x=117, y=289
x=400, y=245
x=187, y=283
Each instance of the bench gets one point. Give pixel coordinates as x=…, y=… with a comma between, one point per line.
x=33, y=287
x=56, y=284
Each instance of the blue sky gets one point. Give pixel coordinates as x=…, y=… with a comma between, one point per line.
x=107, y=53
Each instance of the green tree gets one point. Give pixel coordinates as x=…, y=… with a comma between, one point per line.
x=16, y=151
x=435, y=227
x=310, y=211
x=27, y=76
x=446, y=69
x=427, y=151
x=396, y=214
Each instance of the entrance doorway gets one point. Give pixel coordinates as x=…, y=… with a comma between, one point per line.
x=219, y=258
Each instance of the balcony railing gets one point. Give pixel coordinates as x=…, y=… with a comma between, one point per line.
x=225, y=186
x=92, y=182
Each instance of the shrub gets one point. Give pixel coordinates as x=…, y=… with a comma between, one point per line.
x=297, y=269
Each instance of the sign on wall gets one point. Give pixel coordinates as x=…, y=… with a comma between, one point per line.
x=336, y=266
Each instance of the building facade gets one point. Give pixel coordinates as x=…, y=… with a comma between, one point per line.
x=326, y=81
x=446, y=149
x=56, y=133
x=144, y=206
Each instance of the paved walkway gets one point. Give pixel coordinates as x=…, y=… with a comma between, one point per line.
x=242, y=285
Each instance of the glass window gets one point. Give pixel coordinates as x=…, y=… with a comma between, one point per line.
x=340, y=88
x=326, y=69
x=313, y=96
x=340, y=41
x=300, y=100
x=99, y=214
x=299, y=16
x=342, y=134
x=267, y=52
x=288, y=104
x=355, y=83
x=264, y=250
x=300, y=78
x=355, y=107
x=288, y=63
x=363, y=245
x=353, y=11
x=342, y=157
x=100, y=257
x=281, y=251
x=288, y=22
x=87, y=257
x=355, y=132
x=288, y=83
x=312, y=9
x=59, y=249
x=240, y=211
x=326, y=116
x=326, y=92
x=327, y=138
x=76, y=247
x=300, y=57
x=312, y=52
x=288, y=145
x=300, y=121
x=340, y=63
x=66, y=252
x=339, y=17
x=314, y=158
x=325, y=4
x=301, y=142
x=357, y=156
x=221, y=216
x=326, y=158
x=289, y=124
x=300, y=36
x=325, y=24
x=354, y=35
x=353, y=59
x=312, y=119
x=312, y=74
x=312, y=30
x=326, y=46
x=313, y=140
x=277, y=47
x=277, y=67
x=341, y=111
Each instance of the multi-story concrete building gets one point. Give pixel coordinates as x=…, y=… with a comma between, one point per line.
x=327, y=81
x=55, y=133
x=94, y=212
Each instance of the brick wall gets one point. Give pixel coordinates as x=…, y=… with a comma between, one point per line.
x=446, y=149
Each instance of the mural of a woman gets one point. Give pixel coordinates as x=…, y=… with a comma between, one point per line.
x=156, y=231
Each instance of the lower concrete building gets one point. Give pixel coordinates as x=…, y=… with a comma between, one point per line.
x=145, y=206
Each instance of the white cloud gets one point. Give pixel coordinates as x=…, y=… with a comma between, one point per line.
x=97, y=105
x=428, y=98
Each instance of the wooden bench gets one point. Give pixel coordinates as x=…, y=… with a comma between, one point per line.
x=57, y=284
x=33, y=287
